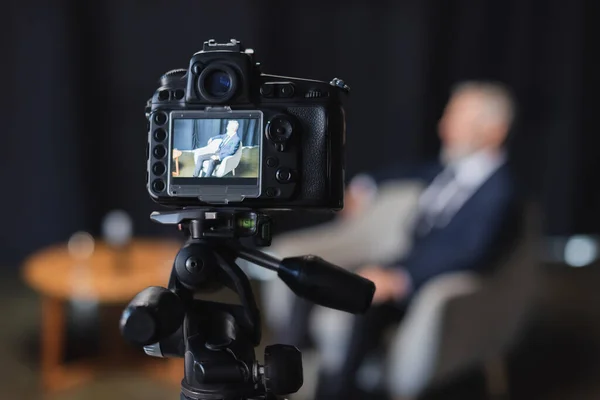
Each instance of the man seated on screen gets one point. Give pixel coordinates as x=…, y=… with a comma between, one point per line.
x=228, y=146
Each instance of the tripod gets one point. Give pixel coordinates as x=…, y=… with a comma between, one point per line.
x=217, y=340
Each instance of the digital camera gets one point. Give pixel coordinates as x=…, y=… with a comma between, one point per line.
x=221, y=133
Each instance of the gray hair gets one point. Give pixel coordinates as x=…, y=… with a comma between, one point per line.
x=498, y=98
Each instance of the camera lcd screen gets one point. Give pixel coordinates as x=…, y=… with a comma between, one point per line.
x=215, y=151
x=216, y=148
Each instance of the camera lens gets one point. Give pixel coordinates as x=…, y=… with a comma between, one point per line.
x=217, y=83
x=279, y=129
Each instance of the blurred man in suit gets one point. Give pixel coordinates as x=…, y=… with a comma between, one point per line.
x=460, y=218
x=230, y=143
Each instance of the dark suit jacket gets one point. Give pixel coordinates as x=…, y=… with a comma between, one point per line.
x=229, y=148
x=476, y=236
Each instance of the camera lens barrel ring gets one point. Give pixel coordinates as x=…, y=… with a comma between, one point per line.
x=217, y=83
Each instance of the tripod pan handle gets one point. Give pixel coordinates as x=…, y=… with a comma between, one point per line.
x=326, y=284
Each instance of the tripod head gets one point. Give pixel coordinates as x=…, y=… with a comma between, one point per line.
x=217, y=340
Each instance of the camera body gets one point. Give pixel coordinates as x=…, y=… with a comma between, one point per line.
x=221, y=133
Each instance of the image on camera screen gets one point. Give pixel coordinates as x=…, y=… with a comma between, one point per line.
x=216, y=148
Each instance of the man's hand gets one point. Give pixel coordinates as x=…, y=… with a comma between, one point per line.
x=390, y=285
x=359, y=195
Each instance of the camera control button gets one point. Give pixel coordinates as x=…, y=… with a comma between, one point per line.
x=179, y=94
x=159, y=151
x=158, y=168
x=163, y=95
x=160, y=135
x=271, y=192
x=267, y=90
x=283, y=175
x=158, y=185
x=197, y=68
x=272, y=162
x=160, y=118
x=286, y=90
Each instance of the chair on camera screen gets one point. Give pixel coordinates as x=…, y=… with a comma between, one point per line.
x=227, y=165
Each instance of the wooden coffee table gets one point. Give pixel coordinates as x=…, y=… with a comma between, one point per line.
x=108, y=277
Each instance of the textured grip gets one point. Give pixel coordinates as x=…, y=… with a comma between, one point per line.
x=314, y=179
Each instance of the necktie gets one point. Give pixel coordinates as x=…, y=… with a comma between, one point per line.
x=224, y=141
x=435, y=200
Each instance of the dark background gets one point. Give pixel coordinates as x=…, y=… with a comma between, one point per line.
x=77, y=75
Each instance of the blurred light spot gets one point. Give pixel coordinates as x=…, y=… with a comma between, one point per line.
x=580, y=251
x=84, y=309
x=81, y=246
x=117, y=228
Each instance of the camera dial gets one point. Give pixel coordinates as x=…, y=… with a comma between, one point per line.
x=172, y=76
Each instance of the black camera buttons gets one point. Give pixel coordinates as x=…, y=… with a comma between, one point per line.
x=284, y=175
x=286, y=90
x=159, y=151
x=267, y=90
x=158, y=168
x=163, y=95
x=158, y=185
x=160, y=135
x=272, y=192
x=197, y=68
x=280, y=90
x=179, y=94
x=160, y=118
x=272, y=162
